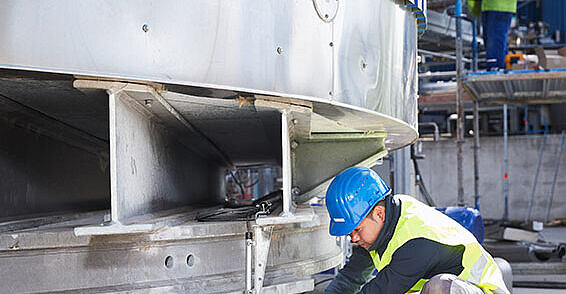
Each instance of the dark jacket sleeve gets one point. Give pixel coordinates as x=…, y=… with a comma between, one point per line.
x=416, y=259
x=354, y=274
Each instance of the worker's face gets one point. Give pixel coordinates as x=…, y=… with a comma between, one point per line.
x=367, y=231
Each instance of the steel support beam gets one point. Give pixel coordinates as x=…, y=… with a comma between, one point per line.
x=505, y=165
x=545, y=86
x=459, y=104
x=402, y=174
x=508, y=90
x=555, y=177
x=535, y=179
x=476, y=154
x=150, y=169
x=288, y=206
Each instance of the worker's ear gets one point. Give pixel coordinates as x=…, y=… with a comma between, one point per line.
x=378, y=213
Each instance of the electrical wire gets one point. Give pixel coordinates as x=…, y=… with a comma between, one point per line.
x=237, y=180
x=244, y=213
x=420, y=182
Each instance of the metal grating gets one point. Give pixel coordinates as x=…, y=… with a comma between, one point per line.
x=524, y=86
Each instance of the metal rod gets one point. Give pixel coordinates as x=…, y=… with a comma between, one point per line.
x=556, y=168
x=526, y=119
x=459, y=103
x=474, y=45
x=437, y=74
x=438, y=54
x=249, y=245
x=476, y=155
x=540, y=153
x=505, y=165
x=286, y=163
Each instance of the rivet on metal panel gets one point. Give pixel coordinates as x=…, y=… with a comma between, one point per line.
x=294, y=145
x=145, y=27
x=325, y=9
x=363, y=64
x=190, y=260
x=279, y=50
x=169, y=261
x=331, y=44
x=295, y=121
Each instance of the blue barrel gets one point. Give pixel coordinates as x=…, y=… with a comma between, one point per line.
x=469, y=218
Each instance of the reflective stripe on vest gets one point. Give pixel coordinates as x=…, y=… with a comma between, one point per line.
x=418, y=220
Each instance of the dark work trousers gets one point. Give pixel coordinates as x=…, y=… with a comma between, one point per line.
x=495, y=29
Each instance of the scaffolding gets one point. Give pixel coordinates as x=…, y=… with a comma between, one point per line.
x=513, y=87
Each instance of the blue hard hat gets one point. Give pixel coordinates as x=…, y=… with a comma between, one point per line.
x=351, y=196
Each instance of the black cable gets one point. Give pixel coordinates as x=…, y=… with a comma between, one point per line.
x=420, y=182
x=244, y=213
x=236, y=179
x=240, y=180
x=322, y=281
x=252, y=184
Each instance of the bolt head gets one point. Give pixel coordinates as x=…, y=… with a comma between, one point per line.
x=295, y=191
x=145, y=28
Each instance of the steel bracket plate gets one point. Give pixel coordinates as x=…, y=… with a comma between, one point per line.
x=262, y=236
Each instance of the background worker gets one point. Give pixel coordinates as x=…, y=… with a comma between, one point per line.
x=413, y=246
x=496, y=19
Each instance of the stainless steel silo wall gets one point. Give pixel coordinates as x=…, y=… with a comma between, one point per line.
x=376, y=59
x=365, y=56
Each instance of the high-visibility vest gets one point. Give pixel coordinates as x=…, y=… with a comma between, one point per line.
x=477, y=6
x=418, y=220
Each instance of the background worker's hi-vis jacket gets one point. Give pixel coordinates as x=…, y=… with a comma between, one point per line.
x=416, y=243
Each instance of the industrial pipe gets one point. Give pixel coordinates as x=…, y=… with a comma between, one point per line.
x=434, y=126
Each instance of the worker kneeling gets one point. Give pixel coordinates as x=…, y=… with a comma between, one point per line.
x=413, y=246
